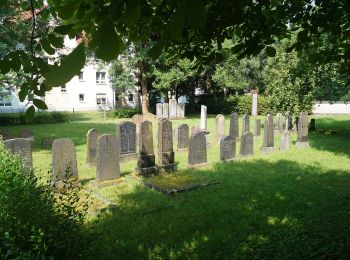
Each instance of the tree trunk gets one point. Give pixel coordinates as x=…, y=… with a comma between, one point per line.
x=143, y=83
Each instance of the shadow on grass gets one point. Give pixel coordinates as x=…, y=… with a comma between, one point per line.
x=260, y=210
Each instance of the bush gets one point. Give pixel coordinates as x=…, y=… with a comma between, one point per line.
x=40, y=118
x=123, y=112
x=35, y=220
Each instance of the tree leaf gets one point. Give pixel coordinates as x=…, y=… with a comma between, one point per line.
x=177, y=22
x=30, y=114
x=22, y=94
x=270, y=51
x=68, y=9
x=157, y=49
x=132, y=12
x=237, y=48
x=196, y=14
x=5, y=65
x=70, y=66
x=63, y=29
x=39, y=103
x=56, y=41
x=47, y=47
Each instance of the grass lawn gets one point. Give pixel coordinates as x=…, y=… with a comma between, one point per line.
x=293, y=204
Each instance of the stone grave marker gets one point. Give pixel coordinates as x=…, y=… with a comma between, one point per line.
x=172, y=108
x=166, y=156
x=234, y=125
x=245, y=123
x=269, y=141
x=6, y=134
x=279, y=123
x=227, y=148
x=285, y=142
x=220, y=127
x=126, y=134
x=303, y=128
x=22, y=147
x=64, y=160
x=182, y=110
x=182, y=137
x=257, y=129
x=165, y=110
x=296, y=122
x=159, y=110
x=246, y=148
x=178, y=110
x=146, y=163
x=289, y=122
x=27, y=134
x=203, y=117
x=91, y=140
x=197, y=154
x=107, y=159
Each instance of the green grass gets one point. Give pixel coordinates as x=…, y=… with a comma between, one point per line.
x=284, y=205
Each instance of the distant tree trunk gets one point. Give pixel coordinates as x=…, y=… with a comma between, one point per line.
x=143, y=84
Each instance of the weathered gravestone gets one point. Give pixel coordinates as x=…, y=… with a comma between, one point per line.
x=257, y=129
x=302, y=139
x=27, y=134
x=64, y=160
x=182, y=137
x=182, y=110
x=165, y=110
x=137, y=120
x=172, y=108
x=22, y=147
x=312, y=124
x=246, y=148
x=245, y=123
x=194, y=129
x=269, y=141
x=91, y=138
x=178, y=110
x=220, y=127
x=197, y=153
x=289, y=122
x=279, y=123
x=285, y=142
x=107, y=159
x=5, y=134
x=296, y=122
x=203, y=117
x=234, y=125
x=146, y=163
x=166, y=156
x=126, y=134
x=227, y=148
x=159, y=110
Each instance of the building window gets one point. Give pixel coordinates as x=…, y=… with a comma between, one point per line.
x=131, y=98
x=63, y=89
x=81, y=76
x=101, y=99
x=6, y=100
x=81, y=97
x=100, y=77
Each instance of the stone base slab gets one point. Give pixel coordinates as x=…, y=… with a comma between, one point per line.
x=267, y=150
x=128, y=157
x=229, y=160
x=302, y=144
x=197, y=165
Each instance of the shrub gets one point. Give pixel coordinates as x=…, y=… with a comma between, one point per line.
x=40, y=118
x=123, y=112
x=35, y=220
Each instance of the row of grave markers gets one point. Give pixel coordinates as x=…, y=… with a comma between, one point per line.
x=170, y=110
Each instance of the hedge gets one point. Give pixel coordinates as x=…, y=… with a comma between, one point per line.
x=40, y=118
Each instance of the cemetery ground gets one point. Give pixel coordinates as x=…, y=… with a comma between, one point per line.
x=292, y=204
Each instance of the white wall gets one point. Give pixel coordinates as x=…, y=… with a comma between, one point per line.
x=325, y=107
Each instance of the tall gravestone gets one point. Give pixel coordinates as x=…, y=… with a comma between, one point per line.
x=64, y=160
x=227, y=148
x=285, y=142
x=107, y=160
x=296, y=122
x=269, y=141
x=257, y=129
x=245, y=123
x=126, y=134
x=182, y=137
x=146, y=164
x=178, y=110
x=289, y=122
x=234, y=125
x=166, y=156
x=197, y=154
x=91, y=138
x=5, y=134
x=137, y=120
x=302, y=139
x=279, y=123
x=220, y=127
x=172, y=108
x=247, y=145
x=182, y=110
x=27, y=134
x=165, y=110
x=203, y=117
x=23, y=148
x=159, y=110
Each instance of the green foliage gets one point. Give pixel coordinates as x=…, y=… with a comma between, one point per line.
x=35, y=220
x=123, y=113
x=39, y=118
x=121, y=77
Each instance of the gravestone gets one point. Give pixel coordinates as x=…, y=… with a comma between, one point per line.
x=302, y=139
x=182, y=110
x=257, y=129
x=172, y=108
x=27, y=134
x=146, y=163
x=203, y=117
x=126, y=134
x=6, y=134
x=234, y=125
x=289, y=122
x=269, y=141
x=159, y=110
x=166, y=156
x=246, y=148
x=91, y=138
x=255, y=94
x=312, y=124
x=22, y=147
x=46, y=142
x=178, y=110
x=182, y=137
x=285, y=142
x=64, y=160
x=227, y=148
x=194, y=129
x=296, y=122
x=197, y=154
x=279, y=123
x=220, y=127
x=107, y=159
x=165, y=110
x=137, y=120
x=245, y=123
